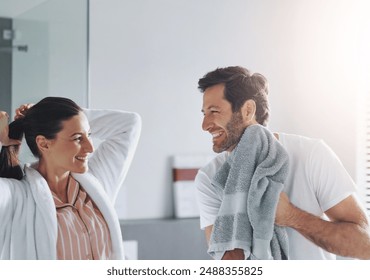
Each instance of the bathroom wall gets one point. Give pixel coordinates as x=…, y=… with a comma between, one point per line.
x=147, y=56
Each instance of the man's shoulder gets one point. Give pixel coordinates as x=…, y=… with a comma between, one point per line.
x=295, y=141
x=213, y=165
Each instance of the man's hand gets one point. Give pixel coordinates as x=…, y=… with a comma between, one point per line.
x=236, y=254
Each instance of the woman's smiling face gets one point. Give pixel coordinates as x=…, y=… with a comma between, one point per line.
x=70, y=149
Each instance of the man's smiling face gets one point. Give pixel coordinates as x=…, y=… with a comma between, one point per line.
x=225, y=126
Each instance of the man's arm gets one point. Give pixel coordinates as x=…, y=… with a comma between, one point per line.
x=207, y=232
x=346, y=234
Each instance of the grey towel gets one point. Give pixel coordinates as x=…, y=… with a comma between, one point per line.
x=250, y=182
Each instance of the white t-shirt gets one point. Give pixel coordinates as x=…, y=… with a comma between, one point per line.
x=316, y=182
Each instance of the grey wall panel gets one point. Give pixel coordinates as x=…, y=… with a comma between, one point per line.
x=5, y=67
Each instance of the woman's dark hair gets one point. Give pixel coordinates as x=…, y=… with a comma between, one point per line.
x=240, y=86
x=44, y=118
x=9, y=163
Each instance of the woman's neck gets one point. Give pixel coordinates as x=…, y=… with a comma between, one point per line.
x=57, y=181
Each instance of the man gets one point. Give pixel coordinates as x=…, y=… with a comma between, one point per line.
x=318, y=205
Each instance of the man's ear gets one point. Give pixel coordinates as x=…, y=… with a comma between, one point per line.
x=248, y=111
x=43, y=144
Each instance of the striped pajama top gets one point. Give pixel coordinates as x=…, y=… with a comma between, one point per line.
x=82, y=231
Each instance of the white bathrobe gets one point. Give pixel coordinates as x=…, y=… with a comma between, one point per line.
x=28, y=221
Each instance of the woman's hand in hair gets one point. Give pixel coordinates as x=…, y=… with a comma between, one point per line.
x=22, y=110
x=4, y=131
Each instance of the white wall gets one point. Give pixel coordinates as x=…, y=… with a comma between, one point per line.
x=147, y=56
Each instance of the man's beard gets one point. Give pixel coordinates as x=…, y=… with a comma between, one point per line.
x=234, y=129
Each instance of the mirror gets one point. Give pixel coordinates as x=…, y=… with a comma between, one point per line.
x=43, y=52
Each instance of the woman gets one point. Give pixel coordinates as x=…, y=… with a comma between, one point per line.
x=62, y=208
